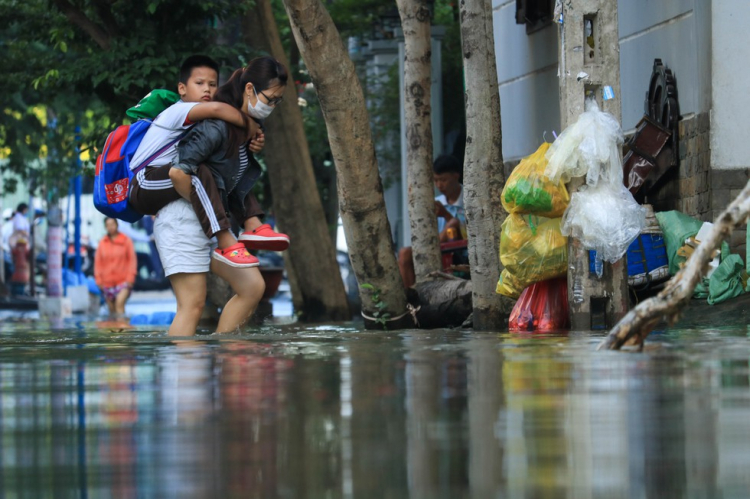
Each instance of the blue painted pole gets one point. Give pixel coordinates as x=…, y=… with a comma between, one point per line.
x=77, y=220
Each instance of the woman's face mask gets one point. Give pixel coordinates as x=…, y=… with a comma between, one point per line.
x=261, y=110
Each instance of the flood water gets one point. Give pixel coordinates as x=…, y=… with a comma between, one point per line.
x=96, y=410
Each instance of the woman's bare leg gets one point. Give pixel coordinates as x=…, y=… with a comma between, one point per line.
x=190, y=291
x=110, y=306
x=249, y=286
x=120, y=300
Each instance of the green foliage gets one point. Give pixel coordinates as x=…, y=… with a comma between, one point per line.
x=86, y=61
x=380, y=316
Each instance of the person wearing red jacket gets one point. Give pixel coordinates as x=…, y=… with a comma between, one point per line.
x=115, y=267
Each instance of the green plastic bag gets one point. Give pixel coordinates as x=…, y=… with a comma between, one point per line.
x=152, y=104
x=676, y=227
x=726, y=281
x=529, y=191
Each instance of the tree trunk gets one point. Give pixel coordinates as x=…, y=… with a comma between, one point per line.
x=296, y=202
x=483, y=162
x=368, y=233
x=415, y=22
x=638, y=323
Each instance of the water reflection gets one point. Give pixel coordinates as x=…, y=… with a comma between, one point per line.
x=342, y=413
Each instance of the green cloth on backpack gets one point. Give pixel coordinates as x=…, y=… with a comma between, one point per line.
x=152, y=104
x=676, y=227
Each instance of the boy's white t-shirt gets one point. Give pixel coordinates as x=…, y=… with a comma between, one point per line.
x=166, y=128
x=456, y=209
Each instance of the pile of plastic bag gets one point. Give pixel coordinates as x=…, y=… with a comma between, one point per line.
x=605, y=218
x=532, y=249
x=543, y=306
x=591, y=146
x=529, y=191
x=603, y=215
x=728, y=280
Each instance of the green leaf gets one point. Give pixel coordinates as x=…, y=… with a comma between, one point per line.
x=367, y=286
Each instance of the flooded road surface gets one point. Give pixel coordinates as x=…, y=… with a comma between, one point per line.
x=96, y=410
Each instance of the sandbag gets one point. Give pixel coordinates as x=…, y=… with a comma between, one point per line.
x=676, y=227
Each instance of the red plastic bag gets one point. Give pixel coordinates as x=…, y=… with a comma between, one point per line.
x=543, y=306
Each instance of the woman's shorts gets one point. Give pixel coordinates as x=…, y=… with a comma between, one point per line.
x=182, y=245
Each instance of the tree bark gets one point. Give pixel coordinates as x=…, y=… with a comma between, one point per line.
x=483, y=162
x=296, y=202
x=78, y=18
x=368, y=232
x=639, y=322
x=415, y=23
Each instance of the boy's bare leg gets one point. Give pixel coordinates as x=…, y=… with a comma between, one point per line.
x=190, y=291
x=181, y=181
x=249, y=286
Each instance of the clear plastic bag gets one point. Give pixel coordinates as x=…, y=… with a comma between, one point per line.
x=591, y=146
x=532, y=249
x=605, y=218
x=528, y=190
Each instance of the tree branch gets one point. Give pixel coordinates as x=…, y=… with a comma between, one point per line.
x=104, y=11
x=638, y=323
x=78, y=18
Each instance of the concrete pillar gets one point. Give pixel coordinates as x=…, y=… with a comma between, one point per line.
x=590, y=66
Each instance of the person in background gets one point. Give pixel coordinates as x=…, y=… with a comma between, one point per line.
x=15, y=229
x=115, y=267
x=21, y=225
x=449, y=209
x=21, y=268
x=6, y=233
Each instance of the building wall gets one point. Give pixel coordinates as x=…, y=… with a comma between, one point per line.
x=676, y=31
x=688, y=187
x=527, y=77
x=730, y=96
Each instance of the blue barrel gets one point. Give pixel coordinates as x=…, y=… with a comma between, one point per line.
x=646, y=253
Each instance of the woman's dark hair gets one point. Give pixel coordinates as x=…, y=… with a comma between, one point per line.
x=111, y=218
x=21, y=207
x=263, y=72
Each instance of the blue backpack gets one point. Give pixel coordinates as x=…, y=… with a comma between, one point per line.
x=113, y=174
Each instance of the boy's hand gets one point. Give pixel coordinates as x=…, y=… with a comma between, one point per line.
x=441, y=211
x=257, y=143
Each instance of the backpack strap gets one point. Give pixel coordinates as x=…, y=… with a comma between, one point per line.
x=158, y=153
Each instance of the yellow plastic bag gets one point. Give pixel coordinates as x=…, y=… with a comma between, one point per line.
x=529, y=191
x=532, y=249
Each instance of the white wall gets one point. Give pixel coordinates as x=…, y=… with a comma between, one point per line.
x=527, y=77
x=730, y=96
x=676, y=31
